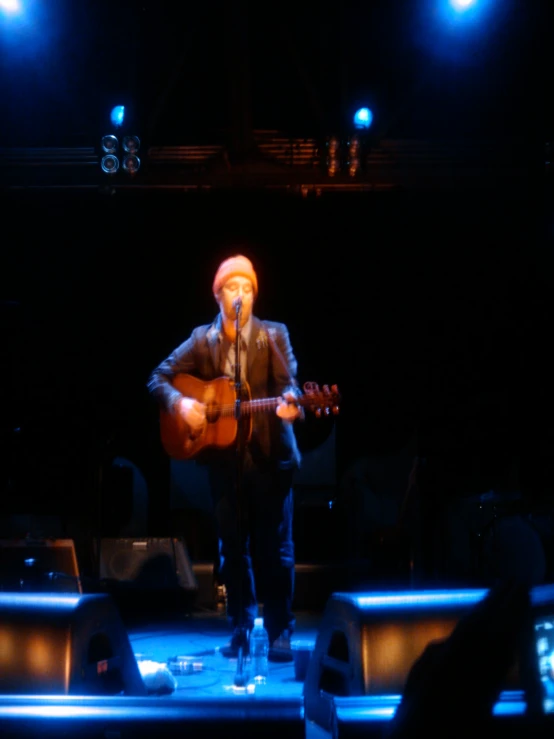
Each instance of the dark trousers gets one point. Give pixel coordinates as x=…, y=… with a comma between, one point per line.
x=254, y=516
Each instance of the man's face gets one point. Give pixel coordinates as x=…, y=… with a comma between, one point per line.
x=236, y=287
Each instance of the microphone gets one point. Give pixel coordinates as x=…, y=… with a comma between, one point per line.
x=237, y=304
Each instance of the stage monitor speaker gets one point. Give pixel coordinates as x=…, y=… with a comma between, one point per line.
x=368, y=642
x=150, y=563
x=39, y=565
x=65, y=645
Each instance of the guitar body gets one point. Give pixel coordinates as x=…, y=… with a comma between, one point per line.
x=221, y=427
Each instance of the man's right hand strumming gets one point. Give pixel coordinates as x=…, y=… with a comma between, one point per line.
x=193, y=413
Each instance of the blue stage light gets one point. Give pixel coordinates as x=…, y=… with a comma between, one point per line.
x=10, y=6
x=462, y=5
x=117, y=116
x=363, y=118
x=463, y=13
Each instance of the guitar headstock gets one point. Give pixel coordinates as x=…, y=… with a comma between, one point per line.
x=322, y=402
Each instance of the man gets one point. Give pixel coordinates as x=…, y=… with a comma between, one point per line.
x=251, y=477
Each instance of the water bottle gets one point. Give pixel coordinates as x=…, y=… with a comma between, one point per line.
x=259, y=648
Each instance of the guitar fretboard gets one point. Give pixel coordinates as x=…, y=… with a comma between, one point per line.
x=247, y=407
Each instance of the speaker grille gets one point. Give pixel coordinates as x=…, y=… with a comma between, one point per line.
x=148, y=562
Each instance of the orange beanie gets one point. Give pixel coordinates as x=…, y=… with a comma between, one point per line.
x=237, y=265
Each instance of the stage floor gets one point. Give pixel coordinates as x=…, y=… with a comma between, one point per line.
x=189, y=646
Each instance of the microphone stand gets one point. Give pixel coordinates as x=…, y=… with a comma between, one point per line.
x=241, y=677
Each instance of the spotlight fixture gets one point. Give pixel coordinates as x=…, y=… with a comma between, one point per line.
x=354, y=146
x=110, y=144
x=110, y=164
x=131, y=163
x=333, y=156
x=131, y=144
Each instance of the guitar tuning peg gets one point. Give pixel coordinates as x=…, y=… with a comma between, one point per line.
x=318, y=413
x=327, y=412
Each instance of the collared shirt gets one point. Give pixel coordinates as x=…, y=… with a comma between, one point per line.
x=228, y=351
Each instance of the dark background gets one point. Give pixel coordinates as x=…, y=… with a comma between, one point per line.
x=429, y=308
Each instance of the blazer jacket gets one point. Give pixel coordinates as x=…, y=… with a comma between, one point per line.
x=270, y=372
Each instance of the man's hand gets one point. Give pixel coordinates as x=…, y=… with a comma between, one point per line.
x=288, y=410
x=193, y=413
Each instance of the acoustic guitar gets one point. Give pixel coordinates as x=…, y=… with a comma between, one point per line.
x=223, y=413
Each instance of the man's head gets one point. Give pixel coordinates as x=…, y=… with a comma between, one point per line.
x=235, y=278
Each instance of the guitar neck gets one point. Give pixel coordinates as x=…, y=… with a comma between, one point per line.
x=260, y=405
x=247, y=407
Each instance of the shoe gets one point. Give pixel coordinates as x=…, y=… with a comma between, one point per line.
x=231, y=650
x=280, y=650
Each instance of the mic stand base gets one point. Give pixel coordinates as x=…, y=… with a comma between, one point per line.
x=241, y=677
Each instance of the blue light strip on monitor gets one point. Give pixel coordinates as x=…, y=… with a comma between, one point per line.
x=32, y=600
x=540, y=595
x=374, y=708
x=420, y=599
